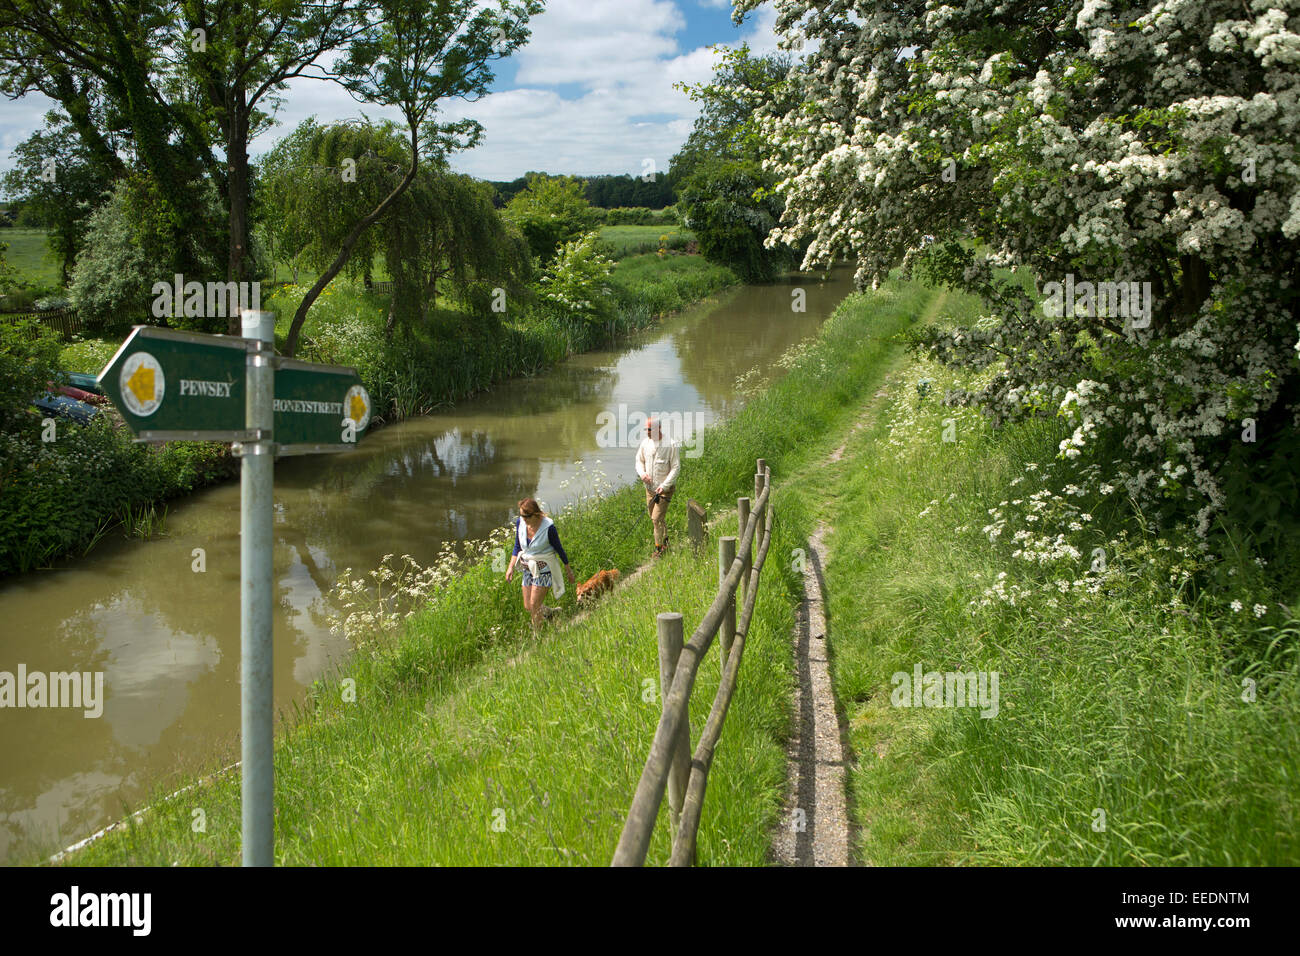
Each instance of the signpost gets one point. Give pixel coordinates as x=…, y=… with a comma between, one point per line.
x=172, y=386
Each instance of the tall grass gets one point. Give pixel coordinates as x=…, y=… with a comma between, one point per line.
x=1127, y=732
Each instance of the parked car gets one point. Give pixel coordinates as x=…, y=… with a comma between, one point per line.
x=64, y=406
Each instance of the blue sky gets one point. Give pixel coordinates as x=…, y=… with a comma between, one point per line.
x=591, y=93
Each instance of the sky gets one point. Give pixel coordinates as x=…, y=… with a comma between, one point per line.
x=591, y=92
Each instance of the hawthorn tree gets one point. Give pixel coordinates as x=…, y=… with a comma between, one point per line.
x=1082, y=141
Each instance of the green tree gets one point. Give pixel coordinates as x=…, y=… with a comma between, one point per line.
x=724, y=195
x=117, y=267
x=422, y=52
x=58, y=181
x=236, y=55
x=316, y=183
x=552, y=210
x=730, y=223
x=444, y=229
x=110, y=67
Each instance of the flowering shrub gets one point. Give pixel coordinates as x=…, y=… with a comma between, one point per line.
x=1065, y=532
x=1148, y=143
x=576, y=282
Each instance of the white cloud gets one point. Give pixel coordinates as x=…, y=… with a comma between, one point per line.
x=623, y=56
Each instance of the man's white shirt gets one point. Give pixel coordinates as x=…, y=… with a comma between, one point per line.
x=661, y=460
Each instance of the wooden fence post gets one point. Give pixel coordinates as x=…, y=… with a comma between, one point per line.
x=742, y=512
x=679, y=767
x=695, y=519
x=727, y=631
x=759, y=485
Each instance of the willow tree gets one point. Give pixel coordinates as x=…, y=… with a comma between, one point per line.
x=446, y=230
x=319, y=181
x=316, y=183
x=420, y=53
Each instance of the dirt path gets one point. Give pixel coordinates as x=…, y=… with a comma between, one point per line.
x=815, y=824
x=815, y=827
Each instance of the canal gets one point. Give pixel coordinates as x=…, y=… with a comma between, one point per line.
x=166, y=637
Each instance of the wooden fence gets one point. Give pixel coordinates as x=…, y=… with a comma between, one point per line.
x=66, y=322
x=670, y=766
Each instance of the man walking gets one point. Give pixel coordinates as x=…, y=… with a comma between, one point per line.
x=658, y=461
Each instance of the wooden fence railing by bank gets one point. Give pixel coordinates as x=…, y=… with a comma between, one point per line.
x=670, y=766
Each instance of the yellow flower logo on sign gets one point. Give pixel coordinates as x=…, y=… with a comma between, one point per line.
x=142, y=384
x=357, y=406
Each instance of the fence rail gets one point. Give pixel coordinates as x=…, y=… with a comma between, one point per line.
x=67, y=322
x=670, y=766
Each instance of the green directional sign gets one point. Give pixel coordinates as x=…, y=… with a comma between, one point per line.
x=318, y=406
x=172, y=385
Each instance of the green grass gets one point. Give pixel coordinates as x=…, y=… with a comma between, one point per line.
x=1129, y=701
x=88, y=355
x=624, y=241
x=463, y=714
x=29, y=254
x=649, y=285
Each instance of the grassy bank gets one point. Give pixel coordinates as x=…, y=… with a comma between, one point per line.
x=1149, y=695
x=470, y=742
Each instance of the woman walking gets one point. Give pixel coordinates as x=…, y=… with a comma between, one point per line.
x=538, y=549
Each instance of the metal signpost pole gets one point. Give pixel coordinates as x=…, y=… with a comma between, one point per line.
x=257, y=475
x=171, y=385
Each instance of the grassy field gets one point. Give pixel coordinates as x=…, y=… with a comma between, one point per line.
x=624, y=241
x=463, y=720
x=29, y=254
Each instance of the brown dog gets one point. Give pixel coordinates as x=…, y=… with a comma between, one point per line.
x=600, y=581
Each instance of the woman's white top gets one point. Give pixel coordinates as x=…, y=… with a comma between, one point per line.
x=538, y=553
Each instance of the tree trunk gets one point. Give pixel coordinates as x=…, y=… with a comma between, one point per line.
x=237, y=158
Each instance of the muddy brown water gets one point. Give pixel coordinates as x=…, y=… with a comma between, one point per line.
x=166, y=638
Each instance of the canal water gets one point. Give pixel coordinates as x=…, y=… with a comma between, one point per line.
x=166, y=637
